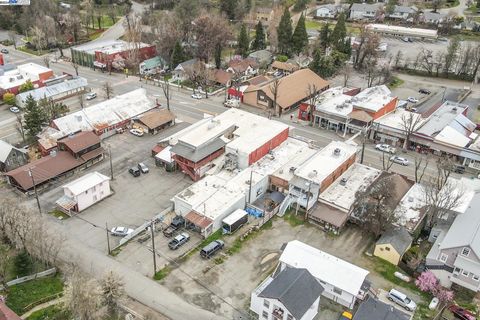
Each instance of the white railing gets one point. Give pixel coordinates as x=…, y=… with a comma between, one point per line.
x=287, y=201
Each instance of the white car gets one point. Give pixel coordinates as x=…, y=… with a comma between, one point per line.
x=197, y=96
x=232, y=103
x=412, y=99
x=399, y=160
x=14, y=109
x=136, y=132
x=91, y=96
x=385, y=148
x=142, y=167
x=121, y=231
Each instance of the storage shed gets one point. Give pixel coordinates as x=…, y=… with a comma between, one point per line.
x=235, y=221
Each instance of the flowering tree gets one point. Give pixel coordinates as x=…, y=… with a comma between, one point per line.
x=427, y=282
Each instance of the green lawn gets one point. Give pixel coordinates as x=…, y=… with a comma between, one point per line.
x=22, y=295
x=395, y=82
x=59, y=214
x=162, y=273
x=34, y=52
x=294, y=219
x=54, y=312
x=313, y=24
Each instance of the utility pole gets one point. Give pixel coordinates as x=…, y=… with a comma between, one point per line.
x=153, y=248
x=111, y=166
x=250, y=187
x=35, y=190
x=308, y=199
x=108, y=238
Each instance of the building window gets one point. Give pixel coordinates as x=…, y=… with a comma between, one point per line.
x=465, y=252
x=337, y=290
x=443, y=257
x=465, y=273
x=266, y=303
x=456, y=271
x=475, y=277
x=265, y=314
x=289, y=317
x=387, y=248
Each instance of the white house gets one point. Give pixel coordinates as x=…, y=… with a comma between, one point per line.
x=84, y=192
x=326, y=11
x=342, y=281
x=287, y=295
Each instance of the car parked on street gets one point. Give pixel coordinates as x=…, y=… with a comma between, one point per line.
x=385, y=148
x=121, y=231
x=142, y=167
x=91, y=96
x=459, y=169
x=412, y=99
x=5, y=51
x=179, y=241
x=14, y=109
x=136, y=132
x=197, y=96
x=424, y=91
x=402, y=300
x=399, y=160
x=461, y=313
x=134, y=171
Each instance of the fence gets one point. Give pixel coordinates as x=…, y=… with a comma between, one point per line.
x=30, y=277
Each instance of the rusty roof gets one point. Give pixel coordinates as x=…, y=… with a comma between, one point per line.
x=156, y=118
x=80, y=141
x=44, y=169
x=198, y=220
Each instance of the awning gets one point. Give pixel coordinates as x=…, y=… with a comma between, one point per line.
x=93, y=154
x=328, y=214
x=198, y=220
x=98, y=64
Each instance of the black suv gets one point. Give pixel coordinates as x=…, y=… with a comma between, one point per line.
x=134, y=171
x=424, y=91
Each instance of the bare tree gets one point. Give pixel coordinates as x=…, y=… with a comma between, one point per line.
x=397, y=61
x=373, y=206
x=107, y=89
x=367, y=47
x=20, y=126
x=83, y=296
x=346, y=72
x=275, y=89
x=199, y=75
x=211, y=31
x=113, y=291
x=133, y=36
x=410, y=123
x=421, y=164
x=81, y=100
x=372, y=72
x=75, y=67
x=38, y=38
x=165, y=85
x=46, y=61
x=312, y=91
x=386, y=162
x=12, y=38
x=4, y=263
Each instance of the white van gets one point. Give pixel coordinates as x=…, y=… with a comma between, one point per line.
x=402, y=300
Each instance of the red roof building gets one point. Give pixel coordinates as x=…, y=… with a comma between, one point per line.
x=6, y=313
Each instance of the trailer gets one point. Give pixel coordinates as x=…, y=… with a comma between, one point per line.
x=234, y=221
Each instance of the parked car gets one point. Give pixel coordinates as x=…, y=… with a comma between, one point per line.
x=211, y=249
x=134, y=171
x=177, y=223
x=459, y=169
x=232, y=103
x=179, y=241
x=14, y=109
x=461, y=313
x=399, y=160
x=346, y=316
x=402, y=300
x=405, y=39
x=121, y=231
x=120, y=130
x=412, y=99
x=443, y=39
x=5, y=51
x=142, y=167
x=197, y=96
x=424, y=91
x=385, y=148
x=136, y=132
x=91, y=96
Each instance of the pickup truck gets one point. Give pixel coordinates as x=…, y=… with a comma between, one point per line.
x=179, y=241
x=176, y=224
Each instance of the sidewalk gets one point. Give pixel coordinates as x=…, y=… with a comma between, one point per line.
x=42, y=306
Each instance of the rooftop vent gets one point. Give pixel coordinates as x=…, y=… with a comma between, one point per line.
x=343, y=181
x=410, y=199
x=312, y=174
x=78, y=117
x=454, y=109
x=53, y=153
x=337, y=151
x=292, y=169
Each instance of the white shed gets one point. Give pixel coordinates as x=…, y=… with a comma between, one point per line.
x=84, y=192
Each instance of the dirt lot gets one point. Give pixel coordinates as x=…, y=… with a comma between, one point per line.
x=239, y=274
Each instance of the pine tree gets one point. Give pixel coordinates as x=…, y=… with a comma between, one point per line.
x=300, y=36
x=243, y=41
x=177, y=55
x=322, y=65
x=284, y=33
x=259, y=41
x=218, y=56
x=324, y=37
x=23, y=264
x=35, y=117
x=339, y=33
x=229, y=7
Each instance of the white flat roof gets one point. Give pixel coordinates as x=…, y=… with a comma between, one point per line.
x=287, y=171
x=403, y=30
x=53, y=90
x=358, y=177
x=324, y=266
x=86, y=182
x=452, y=137
x=441, y=118
x=234, y=216
x=408, y=210
x=325, y=161
x=395, y=118
x=106, y=46
x=373, y=98
x=20, y=75
x=334, y=101
x=252, y=131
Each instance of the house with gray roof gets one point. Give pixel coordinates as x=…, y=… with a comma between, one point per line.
x=373, y=309
x=182, y=70
x=363, y=11
x=433, y=17
x=455, y=255
x=402, y=12
x=289, y=294
x=11, y=157
x=327, y=11
x=393, y=244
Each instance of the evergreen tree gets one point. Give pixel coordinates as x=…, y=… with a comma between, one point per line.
x=390, y=7
x=243, y=41
x=339, y=33
x=259, y=41
x=300, y=36
x=322, y=65
x=229, y=7
x=35, y=117
x=177, y=55
x=218, y=56
x=347, y=47
x=284, y=33
x=324, y=37
x=23, y=264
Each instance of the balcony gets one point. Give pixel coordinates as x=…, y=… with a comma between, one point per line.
x=277, y=313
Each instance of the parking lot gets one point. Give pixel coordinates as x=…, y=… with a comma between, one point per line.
x=240, y=273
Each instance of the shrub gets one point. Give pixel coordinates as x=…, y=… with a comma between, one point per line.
x=282, y=58
x=9, y=98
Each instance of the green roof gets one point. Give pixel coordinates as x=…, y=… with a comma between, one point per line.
x=153, y=62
